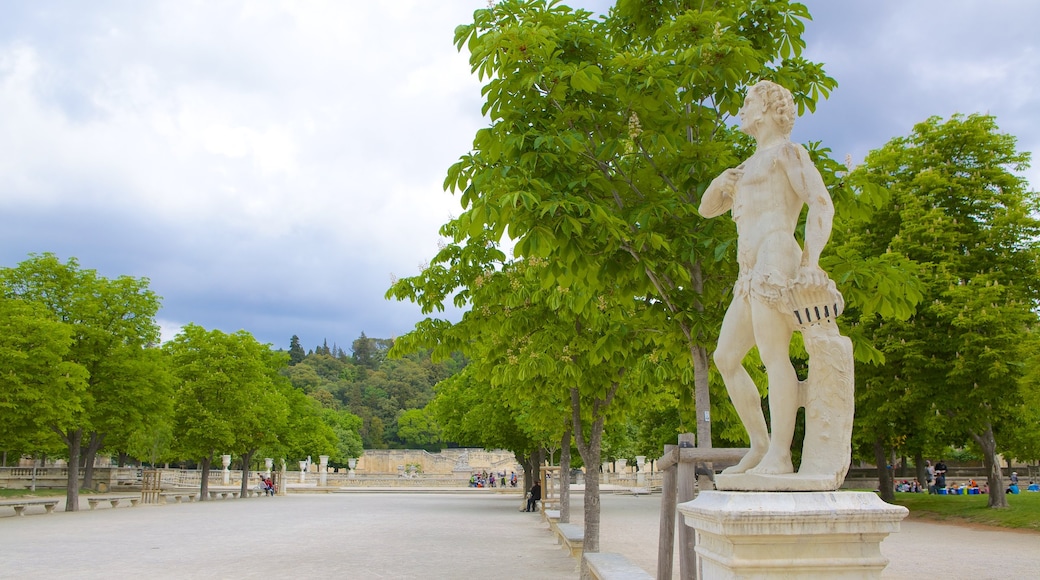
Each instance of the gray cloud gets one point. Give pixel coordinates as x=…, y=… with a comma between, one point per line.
x=269, y=167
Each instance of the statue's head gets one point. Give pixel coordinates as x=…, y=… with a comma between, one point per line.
x=774, y=100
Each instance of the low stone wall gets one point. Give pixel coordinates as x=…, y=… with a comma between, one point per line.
x=446, y=462
x=108, y=478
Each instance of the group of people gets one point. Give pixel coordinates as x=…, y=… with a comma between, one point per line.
x=909, y=486
x=937, y=482
x=485, y=479
x=266, y=485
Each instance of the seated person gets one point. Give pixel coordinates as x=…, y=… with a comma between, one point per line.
x=1033, y=486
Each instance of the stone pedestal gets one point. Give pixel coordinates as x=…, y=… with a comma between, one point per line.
x=352, y=463
x=323, y=470
x=303, y=472
x=226, y=461
x=269, y=464
x=760, y=535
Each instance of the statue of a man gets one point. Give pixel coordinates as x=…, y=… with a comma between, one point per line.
x=780, y=287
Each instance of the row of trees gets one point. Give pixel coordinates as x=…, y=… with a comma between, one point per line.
x=603, y=135
x=82, y=371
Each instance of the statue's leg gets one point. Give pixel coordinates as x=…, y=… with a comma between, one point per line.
x=773, y=331
x=735, y=340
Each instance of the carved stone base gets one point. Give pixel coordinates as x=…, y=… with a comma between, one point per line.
x=754, y=535
x=786, y=482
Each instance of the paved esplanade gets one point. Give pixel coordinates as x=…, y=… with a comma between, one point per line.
x=356, y=535
x=364, y=535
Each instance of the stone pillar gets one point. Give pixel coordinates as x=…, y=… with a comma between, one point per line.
x=323, y=470
x=269, y=464
x=351, y=463
x=303, y=472
x=640, y=475
x=226, y=461
x=282, y=481
x=816, y=535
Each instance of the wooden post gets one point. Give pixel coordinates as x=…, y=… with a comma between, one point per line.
x=686, y=490
x=666, y=540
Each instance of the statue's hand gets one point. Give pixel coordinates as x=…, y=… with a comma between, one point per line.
x=812, y=276
x=727, y=181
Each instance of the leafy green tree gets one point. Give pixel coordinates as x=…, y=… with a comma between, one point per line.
x=307, y=433
x=1019, y=436
x=472, y=414
x=227, y=398
x=40, y=392
x=369, y=352
x=602, y=136
x=296, y=353
x=959, y=209
x=113, y=322
x=417, y=429
x=347, y=428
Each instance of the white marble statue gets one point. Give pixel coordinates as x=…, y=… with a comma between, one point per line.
x=780, y=288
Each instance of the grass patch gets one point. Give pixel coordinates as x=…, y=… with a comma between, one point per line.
x=1023, y=510
x=13, y=493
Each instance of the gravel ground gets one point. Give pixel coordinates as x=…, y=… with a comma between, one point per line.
x=419, y=535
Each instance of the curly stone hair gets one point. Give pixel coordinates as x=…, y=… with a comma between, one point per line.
x=778, y=100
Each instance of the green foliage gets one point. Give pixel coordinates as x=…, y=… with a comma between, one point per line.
x=347, y=427
x=296, y=352
x=958, y=209
x=603, y=136
x=227, y=397
x=113, y=330
x=38, y=387
x=370, y=386
x=112, y=325
x=417, y=429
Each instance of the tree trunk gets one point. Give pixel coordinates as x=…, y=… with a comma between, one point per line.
x=701, y=390
x=591, y=454
x=95, y=443
x=247, y=458
x=204, y=485
x=532, y=467
x=988, y=444
x=565, y=476
x=74, y=440
x=885, y=486
x=922, y=473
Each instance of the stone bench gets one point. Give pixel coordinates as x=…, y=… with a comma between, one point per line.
x=608, y=566
x=223, y=494
x=570, y=536
x=19, y=505
x=637, y=491
x=179, y=496
x=93, y=501
x=551, y=516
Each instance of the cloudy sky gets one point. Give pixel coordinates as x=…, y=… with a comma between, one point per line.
x=271, y=165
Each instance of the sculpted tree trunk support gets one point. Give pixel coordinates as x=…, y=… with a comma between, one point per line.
x=781, y=289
